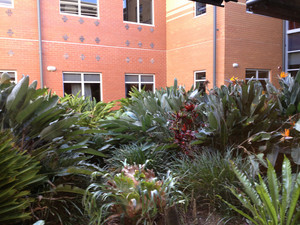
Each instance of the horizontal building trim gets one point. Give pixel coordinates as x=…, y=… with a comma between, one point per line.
x=104, y=46
x=17, y=39
x=81, y=44
x=192, y=45
x=177, y=17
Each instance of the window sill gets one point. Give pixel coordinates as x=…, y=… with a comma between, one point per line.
x=90, y=17
x=6, y=6
x=141, y=24
x=200, y=15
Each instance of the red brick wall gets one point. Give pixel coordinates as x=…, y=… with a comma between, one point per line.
x=252, y=41
x=112, y=48
x=23, y=43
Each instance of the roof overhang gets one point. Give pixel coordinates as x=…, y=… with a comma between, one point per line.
x=282, y=9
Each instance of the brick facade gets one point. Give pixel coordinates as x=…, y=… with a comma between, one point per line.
x=176, y=45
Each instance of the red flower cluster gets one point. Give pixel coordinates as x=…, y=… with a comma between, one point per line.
x=184, y=127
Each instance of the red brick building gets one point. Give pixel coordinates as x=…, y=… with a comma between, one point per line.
x=104, y=47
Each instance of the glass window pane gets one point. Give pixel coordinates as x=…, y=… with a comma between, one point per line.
x=145, y=10
x=130, y=10
x=92, y=77
x=89, y=8
x=294, y=60
x=6, y=2
x=129, y=87
x=72, y=89
x=147, y=78
x=72, y=77
x=293, y=73
x=294, y=41
x=293, y=25
x=200, y=75
x=250, y=74
x=92, y=91
x=131, y=78
x=200, y=85
x=147, y=87
x=200, y=8
x=69, y=6
x=263, y=74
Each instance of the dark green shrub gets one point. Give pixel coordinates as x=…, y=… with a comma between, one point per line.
x=18, y=173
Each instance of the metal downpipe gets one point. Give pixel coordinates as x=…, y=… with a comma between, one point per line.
x=214, y=46
x=40, y=44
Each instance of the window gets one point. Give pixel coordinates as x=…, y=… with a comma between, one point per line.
x=80, y=7
x=6, y=3
x=138, y=11
x=293, y=25
x=200, y=80
x=293, y=47
x=12, y=74
x=139, y=81
x=200, y=8
x=87, y=83
x=260, y=75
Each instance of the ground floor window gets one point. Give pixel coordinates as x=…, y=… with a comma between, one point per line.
x=6, y=3
x=88, y=84
x=257, y=74
x=200, y=80
x=139, y=81
x=11, y=73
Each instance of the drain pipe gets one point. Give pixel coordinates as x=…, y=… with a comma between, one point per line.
x=284, y=38
x=40, y=43
x=214, y=46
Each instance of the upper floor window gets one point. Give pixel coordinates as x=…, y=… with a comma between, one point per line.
x=6, y=3
x=12, y=74
x=293, y=25
x=88, y=84
x=139, y=81
x=200, y=8
x=200, y=80
x=138, y=11
x=79, y=7
x=257, y=74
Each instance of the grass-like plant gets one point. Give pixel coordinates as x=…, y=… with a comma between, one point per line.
x=269, y=203
x=149, y=154
x=207, y=174
x=134, y=196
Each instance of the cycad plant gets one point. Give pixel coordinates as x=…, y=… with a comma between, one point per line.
x=18, y=172
x=271, y=202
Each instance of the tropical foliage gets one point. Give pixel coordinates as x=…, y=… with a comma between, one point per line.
x=270, y=202
x=150, y=154
x=19, y=172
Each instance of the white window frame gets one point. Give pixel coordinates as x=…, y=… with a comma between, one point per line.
x=11, y=71
x=7, y=5
x=138, y=16
x=292, y=31
x=195, y=11
x=256, y=74
x=82, y=82
x=140, y=82
x=79, y=11
x=199, y=80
